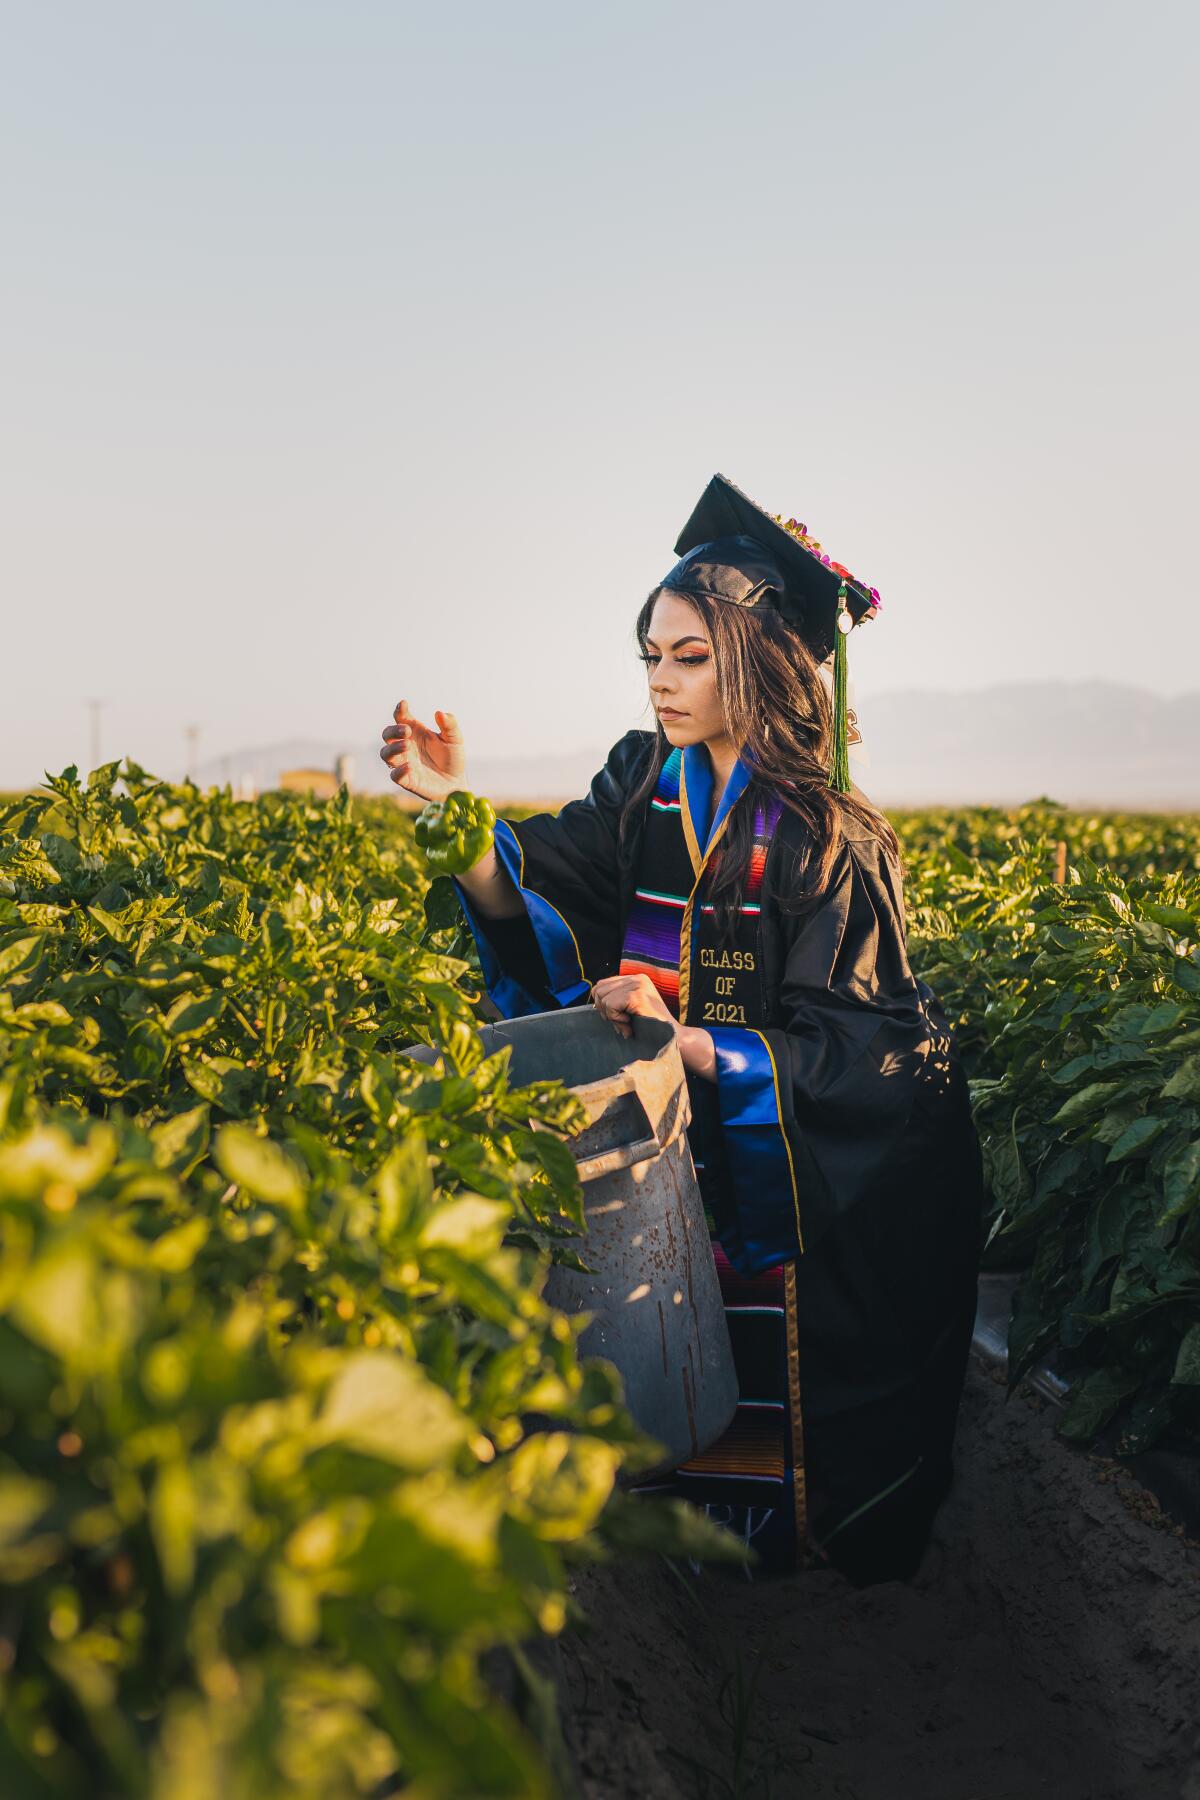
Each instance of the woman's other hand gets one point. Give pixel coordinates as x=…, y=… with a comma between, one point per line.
x=622, y=998
x=428, y=763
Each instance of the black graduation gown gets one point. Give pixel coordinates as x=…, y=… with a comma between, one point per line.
x=869, y=1177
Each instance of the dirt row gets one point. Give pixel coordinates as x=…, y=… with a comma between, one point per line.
x=1050, y=1645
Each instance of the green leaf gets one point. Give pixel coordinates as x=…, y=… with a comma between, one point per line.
x=668, y=1528
x=383, y=1406
x=62, y=855
x=560, y=1482
x=1184, y=1083
x=1136, y=1137
x=46, y=1154
x=1181, y=1181
x=468, y=1224
x=558, y=1160
x=17, y=956
x=1173, y=917
x=173, y=1517
x=177, y=1250
x=179, y=1143
x=41, y=1012
x=1071, y=1071
x=23, y=1501
x=102, y=778
x=1187, y=1362
x=1094, y=1400
x=404, y=1185
x=442, y=909
x=114, y=897
x=1149, y=1417
x=109, y=923
x=1115, y=1123
x=260, y=1167
x=1006, y=1168
x=1163, y=1017
x=192, y=1015
x=144, y=1051
x=56, y=1302
x=1086, y=1103
x=222, y=1080
x=1107, y=1226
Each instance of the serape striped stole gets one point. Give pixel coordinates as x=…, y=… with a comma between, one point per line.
x=758, y=1463
x=652, y=944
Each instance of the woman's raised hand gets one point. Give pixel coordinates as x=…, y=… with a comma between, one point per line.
x=428, y=763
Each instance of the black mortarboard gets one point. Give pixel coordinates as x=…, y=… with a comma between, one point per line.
x=730, y=549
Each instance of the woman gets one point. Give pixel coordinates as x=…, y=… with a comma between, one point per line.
x=720, y=877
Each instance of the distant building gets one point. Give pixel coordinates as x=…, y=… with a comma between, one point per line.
x=321, y=783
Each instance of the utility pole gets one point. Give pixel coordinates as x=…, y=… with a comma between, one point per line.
x=94, y=708
x=192, y=734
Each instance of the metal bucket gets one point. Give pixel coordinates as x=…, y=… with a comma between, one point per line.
x=653, y=1290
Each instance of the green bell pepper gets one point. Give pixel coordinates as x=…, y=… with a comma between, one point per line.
x=457, y=832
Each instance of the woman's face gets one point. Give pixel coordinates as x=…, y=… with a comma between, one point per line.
x=682, y=677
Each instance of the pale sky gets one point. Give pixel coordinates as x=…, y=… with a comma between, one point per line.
x=365, y=349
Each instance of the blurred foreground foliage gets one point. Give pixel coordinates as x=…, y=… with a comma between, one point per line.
x=288, y=1436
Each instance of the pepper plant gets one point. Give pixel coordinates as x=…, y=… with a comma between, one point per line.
x=289, y=1437
x=1078, y=1010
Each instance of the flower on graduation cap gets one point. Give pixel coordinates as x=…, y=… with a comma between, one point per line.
x=800, y=532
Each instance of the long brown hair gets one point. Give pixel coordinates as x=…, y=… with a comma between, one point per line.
x=778, y=712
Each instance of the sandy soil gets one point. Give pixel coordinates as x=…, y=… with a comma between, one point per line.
x=1050, y=1645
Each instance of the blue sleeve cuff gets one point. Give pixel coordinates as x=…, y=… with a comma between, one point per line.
x=565, y=979
x=758, y=1154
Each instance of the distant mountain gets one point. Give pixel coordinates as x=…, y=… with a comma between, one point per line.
x=1084, y=743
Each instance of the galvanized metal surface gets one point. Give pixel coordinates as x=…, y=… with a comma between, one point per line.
x=990, y=1337
x=653, y=1289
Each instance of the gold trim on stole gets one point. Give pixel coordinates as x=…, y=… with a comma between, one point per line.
x=689, y=828
x=685, y=928
x=795, y=1417
x=783, y=1134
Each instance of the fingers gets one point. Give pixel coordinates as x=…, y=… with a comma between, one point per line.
x=399, y=739
x=621, y=989
x=607, y=1000
x=622, y=998
x=396, y=752
x=447, y=726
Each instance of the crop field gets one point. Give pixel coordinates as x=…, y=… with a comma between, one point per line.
x=1077, y=1004
x=291, y=1448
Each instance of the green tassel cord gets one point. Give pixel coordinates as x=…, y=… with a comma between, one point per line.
x=839, y=766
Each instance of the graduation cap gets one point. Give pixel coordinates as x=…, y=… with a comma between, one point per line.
x=730, y=549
